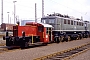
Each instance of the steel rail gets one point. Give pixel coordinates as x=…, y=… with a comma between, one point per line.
x=66, y=54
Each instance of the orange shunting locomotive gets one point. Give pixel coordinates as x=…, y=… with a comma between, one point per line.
x=30, y=34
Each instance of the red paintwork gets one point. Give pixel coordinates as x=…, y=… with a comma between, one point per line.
x=41, y=34
x=32, y=29
x=29, y=30
x=46, y=39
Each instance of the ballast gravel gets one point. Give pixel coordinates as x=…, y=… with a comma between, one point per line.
x=32, y=53
x=2, y=42
x=82, y=56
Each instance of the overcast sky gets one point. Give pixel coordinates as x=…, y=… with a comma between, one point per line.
x=25, y=9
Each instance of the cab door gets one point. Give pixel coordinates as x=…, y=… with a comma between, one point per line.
x=45, y=34
x=40, y=31
x=48, y=34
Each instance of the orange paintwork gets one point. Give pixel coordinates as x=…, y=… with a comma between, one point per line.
x=29, y=30
x=46, y=39
x=32, y=29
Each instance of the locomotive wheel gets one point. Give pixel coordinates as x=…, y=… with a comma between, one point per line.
x=78, y=37
x=26, y=44
x=69, y=38
x=22, y=44
x=59, y=39
x=9, y=42
x=62, y=38
x=81, y=37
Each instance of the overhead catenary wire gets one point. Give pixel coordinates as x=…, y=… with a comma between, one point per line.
x=48, y=11
x=24, y=7
x=70, y=8
x=66, y=6
x=27, y=6
x=51, y=1
x=20, y=5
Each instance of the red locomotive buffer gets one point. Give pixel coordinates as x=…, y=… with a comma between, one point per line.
x=30, y=34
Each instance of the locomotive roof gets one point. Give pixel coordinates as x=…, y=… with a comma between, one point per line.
x=43, y=24
x=52, y=17
x=46, y=25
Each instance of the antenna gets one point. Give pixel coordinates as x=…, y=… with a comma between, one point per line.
x=35, y=12
x=42, y=8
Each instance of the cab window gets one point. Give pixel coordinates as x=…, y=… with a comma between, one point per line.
x=40, y=28
x=48, y=30
x=71, y=22
x=64, y=21
x=68, y=21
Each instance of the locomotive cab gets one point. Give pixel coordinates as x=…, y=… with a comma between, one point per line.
x=46, y=33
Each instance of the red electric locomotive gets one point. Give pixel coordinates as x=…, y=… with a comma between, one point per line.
x=30, y=34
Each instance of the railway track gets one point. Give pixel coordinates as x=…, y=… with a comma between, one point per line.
x=14, y=48
x=4, y=48
x=66, y=54
x=8, y=49
x=2, y=44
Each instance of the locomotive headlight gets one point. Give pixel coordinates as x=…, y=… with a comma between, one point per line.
x=46, y=36
x=74, y=32
x=22, y=32
x=11, y=35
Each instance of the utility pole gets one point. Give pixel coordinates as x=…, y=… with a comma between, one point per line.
x=8, y=16
x=10, y=20
x=81, y=18
x=14, y=11
x=35, y=12
x=1, y=11
x=42, y=8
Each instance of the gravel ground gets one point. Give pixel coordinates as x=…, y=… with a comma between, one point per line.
x=32, y=53
x=83, y=56
x=2, y=42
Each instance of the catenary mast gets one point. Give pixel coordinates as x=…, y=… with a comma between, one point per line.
x=35, y=12
x=42, y=8
x=1, y=11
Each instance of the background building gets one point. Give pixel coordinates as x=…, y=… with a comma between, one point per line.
x=6, y=26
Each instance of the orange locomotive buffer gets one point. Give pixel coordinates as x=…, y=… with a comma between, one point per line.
x=30, y=34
